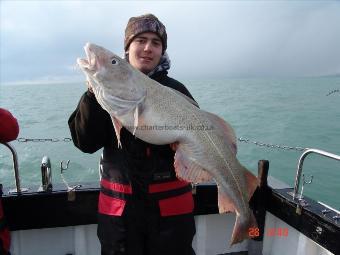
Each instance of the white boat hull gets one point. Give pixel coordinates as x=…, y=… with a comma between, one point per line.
x=212, y=238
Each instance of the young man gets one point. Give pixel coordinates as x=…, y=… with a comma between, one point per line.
x=143, y=208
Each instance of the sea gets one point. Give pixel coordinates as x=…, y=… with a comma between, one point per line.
x=274, y=119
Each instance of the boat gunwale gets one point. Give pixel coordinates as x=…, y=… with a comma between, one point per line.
x=35, y=210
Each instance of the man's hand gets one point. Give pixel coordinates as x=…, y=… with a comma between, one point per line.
x=89, y=87
x=174, y=146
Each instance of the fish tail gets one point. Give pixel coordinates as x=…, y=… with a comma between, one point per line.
x=244, y=228
x=251, y=182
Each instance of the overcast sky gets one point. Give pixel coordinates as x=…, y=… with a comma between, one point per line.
x=40, y=40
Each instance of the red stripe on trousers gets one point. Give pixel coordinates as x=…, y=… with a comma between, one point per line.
x=116, y=186
x=160, y=187
x=110, y=205
x=181, y=204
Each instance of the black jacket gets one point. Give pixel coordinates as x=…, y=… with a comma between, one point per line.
x=137, y=163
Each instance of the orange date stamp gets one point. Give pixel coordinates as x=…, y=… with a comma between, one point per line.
x=269, y=232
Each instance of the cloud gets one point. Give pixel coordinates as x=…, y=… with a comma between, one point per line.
x=206, y=39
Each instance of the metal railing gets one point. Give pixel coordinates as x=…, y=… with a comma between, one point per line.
x=15, y=167
x=305, y=153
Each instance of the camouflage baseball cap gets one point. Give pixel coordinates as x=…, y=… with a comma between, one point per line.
x=142, y=24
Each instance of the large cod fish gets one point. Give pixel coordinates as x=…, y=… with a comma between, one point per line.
x=205, y=143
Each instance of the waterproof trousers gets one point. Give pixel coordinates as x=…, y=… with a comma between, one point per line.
x=142, y=231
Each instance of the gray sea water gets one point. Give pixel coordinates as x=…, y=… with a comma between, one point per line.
x=292, y=112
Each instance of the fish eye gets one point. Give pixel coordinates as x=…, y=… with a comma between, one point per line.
x=114, y=61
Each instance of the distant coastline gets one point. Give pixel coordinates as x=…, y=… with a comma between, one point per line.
x=329, y=76
x=80, y=79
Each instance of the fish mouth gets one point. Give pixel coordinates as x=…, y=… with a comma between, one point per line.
x=90, y=62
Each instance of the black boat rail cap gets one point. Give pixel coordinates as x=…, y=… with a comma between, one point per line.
x=329, y=208
x=58, y=188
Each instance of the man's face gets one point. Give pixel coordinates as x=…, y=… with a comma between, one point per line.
x=145, y=52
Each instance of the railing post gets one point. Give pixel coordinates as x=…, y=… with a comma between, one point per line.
x=15, y=166
x=258, y=205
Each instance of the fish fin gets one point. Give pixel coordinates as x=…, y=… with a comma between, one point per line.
x=184, y=96
x=251, y=182
x=120, y=106
x=135, y=117
x=243, y=228
x=117, y=126
x=227, y=131
x=225, y=204
x=189, y=170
